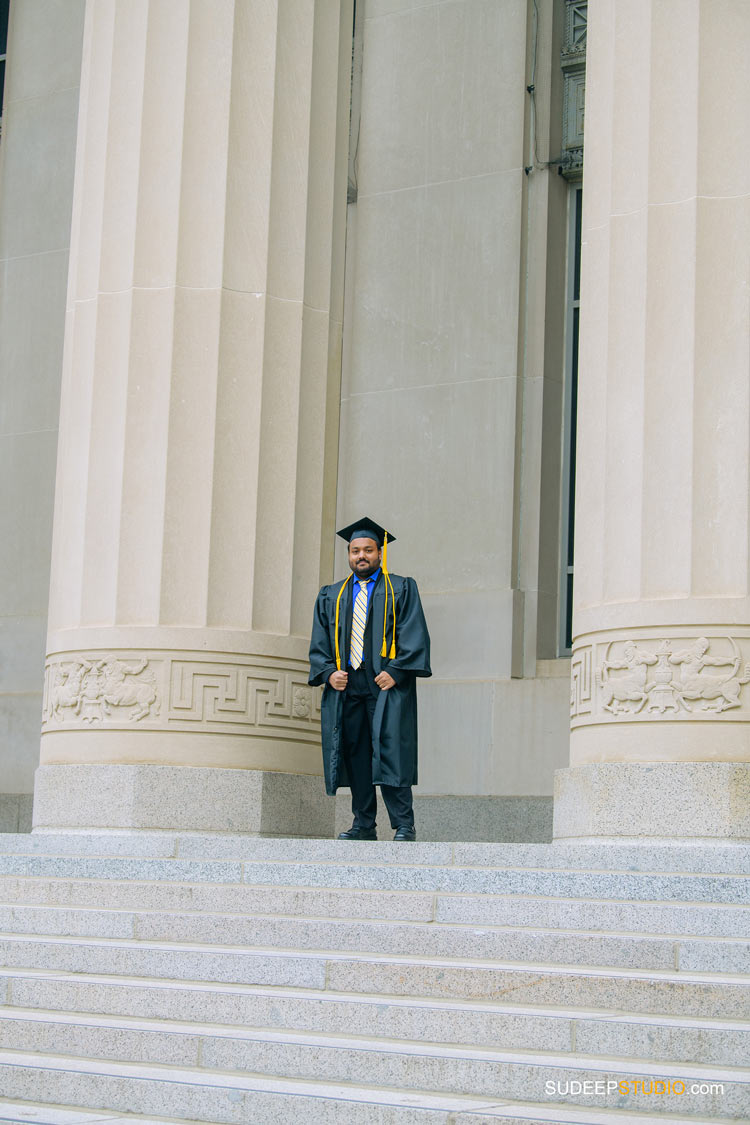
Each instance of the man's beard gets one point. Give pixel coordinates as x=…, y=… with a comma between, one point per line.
x=366, y=570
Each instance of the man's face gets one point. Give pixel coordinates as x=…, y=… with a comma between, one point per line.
x=364, y=557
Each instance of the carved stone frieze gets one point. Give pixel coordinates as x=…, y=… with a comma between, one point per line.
x=97, y=688
x=648, y=678
x=254, y=695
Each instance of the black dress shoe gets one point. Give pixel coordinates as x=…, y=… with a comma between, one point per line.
x=359, y=834
x=404, y=833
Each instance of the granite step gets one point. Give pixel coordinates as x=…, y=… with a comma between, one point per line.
x=250, y=1099
x=654, y=918
x=620, y=1039
x=707, y=858
x=551, y=883
x=703, y=857
x=438, y=939
x=37, y=1113
x=233, y=898
x=698, y=993
x=16, y=1113
x=399, y=1065
x=477, y=1023
x=676, y=918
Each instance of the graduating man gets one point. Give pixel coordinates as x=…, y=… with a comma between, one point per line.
x=369, y=643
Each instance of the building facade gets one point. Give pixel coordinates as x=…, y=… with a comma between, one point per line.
x=269, y=266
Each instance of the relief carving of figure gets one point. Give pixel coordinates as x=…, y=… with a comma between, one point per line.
x=628, y=692
x=90, y=708
x=715, y=692
x=121, y=689
x=66, y=690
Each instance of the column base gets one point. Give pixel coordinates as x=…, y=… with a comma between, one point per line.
x=656, y=800
x=180, y=798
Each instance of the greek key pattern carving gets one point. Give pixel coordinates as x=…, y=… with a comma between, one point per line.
x=254, y=695
x=650, y=678
x=211, y=693
x=580, y=683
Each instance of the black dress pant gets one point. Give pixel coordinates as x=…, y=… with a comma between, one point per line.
x=359, y=709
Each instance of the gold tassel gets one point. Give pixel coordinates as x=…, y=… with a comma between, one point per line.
x=388, y=585
x=338, y=600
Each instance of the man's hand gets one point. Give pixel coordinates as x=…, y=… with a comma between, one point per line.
x=384, y=681
x=338, y=680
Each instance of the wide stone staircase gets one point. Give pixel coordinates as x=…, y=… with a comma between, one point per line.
x=195, y=978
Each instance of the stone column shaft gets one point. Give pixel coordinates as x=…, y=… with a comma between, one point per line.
x=198, y=418
x=661, y=661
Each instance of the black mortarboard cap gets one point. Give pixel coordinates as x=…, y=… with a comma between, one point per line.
x=365, y=528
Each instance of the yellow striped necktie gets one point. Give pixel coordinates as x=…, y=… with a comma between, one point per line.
x=359, y=620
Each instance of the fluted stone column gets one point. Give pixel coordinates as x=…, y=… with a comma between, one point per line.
x=660, y=730
x=196, y=475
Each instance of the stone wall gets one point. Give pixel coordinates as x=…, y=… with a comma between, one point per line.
x=453, y=364
x=37, y=162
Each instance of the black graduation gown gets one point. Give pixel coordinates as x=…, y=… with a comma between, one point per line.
x=395, y=721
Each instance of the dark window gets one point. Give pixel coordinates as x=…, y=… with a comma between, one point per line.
x=4, y=10
x=571, y=414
